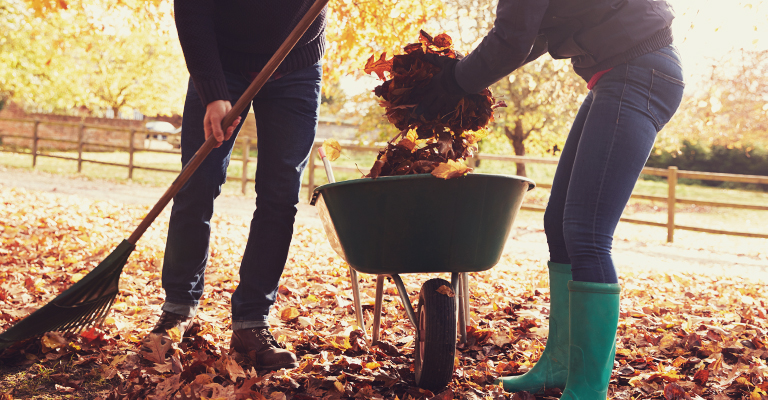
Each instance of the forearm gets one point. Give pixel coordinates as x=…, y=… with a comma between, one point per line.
x=197, y=37
x=506, y=47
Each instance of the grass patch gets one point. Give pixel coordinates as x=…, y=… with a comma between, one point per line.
x=49, y=380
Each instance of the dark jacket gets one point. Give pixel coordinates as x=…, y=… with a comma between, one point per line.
x=241, y=36
x=595, y=34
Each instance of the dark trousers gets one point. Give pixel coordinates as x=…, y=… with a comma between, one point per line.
x=286, y=111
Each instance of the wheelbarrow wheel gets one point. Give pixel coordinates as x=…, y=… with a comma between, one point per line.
x=435, y=335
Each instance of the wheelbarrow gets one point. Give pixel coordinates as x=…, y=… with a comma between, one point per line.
x=422, y=224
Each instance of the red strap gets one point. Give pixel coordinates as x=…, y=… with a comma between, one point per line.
x=596, y=77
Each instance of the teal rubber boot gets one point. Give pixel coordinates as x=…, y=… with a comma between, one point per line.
x=594, y=319
x=551, y=371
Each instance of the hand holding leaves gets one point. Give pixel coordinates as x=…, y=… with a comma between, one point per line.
x=433, y=113
x=441, y=95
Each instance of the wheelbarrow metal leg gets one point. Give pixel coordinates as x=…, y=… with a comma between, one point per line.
x=457, y=280
x=404, y=298
x=356, y=296
x=465, y=297
x=377, y=307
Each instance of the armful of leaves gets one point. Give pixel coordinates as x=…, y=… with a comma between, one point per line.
x=426, y=146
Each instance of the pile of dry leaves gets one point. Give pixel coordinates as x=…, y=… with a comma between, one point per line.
x=424, y=145
x=681, y=336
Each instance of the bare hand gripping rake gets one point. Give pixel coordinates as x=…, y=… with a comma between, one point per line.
x=88, y=301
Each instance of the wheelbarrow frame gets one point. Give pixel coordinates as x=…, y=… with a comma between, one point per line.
x=490, y=198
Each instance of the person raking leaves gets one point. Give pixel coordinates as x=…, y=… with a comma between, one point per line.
x=225, y=45
x=623, y=49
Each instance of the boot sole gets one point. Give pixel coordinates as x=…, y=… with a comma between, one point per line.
x=261, y=367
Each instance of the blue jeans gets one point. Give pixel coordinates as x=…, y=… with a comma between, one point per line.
x=286, y=111
x=606, y=149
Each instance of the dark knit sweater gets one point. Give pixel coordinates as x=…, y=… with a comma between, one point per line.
x=241, y=36
x=595, y=34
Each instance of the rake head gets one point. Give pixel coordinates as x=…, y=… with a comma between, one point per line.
x=84, y=304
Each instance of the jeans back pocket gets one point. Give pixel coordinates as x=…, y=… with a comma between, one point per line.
x=664, y=97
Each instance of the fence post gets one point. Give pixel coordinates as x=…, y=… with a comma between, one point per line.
x=672, y=185
x=34, y=143
x=130, y=154
x=246, y=155
x=80, y=137
x=311, y=171
x=472, y=161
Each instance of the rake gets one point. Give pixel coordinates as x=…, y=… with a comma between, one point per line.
x=87, y=302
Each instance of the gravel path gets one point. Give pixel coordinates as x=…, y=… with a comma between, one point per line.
x=692, y=252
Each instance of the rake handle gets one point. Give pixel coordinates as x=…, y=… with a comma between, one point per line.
x=228, y=119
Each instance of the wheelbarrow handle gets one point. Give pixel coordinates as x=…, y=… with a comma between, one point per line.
x=327, y=165
x=231, y=116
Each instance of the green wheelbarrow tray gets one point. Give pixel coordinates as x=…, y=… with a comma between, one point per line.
x=420, y=223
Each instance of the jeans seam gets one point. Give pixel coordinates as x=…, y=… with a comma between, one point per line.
x=668, y=78
x=602, y=177
x=670, y=58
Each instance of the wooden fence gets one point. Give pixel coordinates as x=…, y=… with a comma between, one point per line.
x=672, y=173
x=81, y=143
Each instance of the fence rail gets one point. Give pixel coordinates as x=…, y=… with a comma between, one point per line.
x=672, y=173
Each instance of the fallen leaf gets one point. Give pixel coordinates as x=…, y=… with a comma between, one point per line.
x=289, y=313
x=673, y=391
x=701, y=376
x=332, y=149
x=234, y=370
x=53, y=341
x=378, y=66
x=450, y=169
x=174, y=334
x=446, y=291
x=155, y=347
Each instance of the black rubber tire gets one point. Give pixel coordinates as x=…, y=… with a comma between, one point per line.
x=435, y=336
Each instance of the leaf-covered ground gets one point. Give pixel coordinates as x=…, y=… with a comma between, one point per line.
x=680, y=336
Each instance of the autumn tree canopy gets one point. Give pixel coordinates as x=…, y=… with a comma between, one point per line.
x=100, y=54
x=124, y=54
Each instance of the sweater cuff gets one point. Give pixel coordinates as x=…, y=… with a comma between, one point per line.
x=469, y=83
x=211, y=90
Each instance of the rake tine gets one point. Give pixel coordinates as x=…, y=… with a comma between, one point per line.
x=64, y=326
x=81, y=318
x=106, y=312
x=75, y=325
x=72, y=321
x=94, y=314
x=101, y=314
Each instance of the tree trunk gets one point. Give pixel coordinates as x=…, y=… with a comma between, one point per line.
x=516, y=136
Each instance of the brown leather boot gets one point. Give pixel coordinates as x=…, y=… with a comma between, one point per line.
x=168, y=321
x=260, y=346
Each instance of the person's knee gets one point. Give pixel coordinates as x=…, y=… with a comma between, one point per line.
x=553, y=224
x=576, y=237
x=584, y=242
x=280, y=206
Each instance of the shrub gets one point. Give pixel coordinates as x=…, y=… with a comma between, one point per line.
x=743, y=160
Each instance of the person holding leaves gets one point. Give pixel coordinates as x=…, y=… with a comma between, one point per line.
x=624, y=50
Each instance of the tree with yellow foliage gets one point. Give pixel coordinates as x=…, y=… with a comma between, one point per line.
x=108, y=54
x=124, y=54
